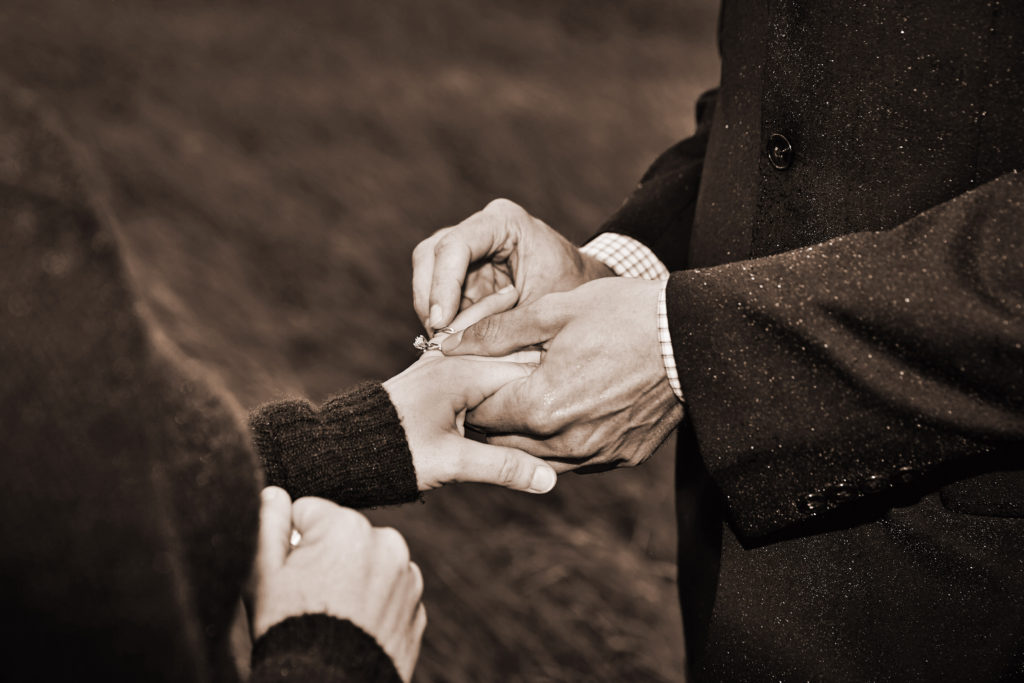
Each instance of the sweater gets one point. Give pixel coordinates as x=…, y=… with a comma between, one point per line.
x=131, y=504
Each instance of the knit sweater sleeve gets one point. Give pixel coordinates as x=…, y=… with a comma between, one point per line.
x=318, y=647
x=351, y=450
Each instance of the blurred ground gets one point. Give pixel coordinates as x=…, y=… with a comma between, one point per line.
x=272, y=165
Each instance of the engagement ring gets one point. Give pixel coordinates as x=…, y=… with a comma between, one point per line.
x=424, y=344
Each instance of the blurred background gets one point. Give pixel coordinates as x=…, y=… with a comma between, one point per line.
x=272, y=164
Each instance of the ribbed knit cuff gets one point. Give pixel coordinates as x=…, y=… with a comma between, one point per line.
x=318, y=647
x=352, y=451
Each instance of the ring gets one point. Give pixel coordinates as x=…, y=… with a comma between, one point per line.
x=444, y=330
x=424, y=344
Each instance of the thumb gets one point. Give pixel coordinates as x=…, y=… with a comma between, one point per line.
x=275, y=529
x=503, y=466
x=498, y=302
x=503, y=333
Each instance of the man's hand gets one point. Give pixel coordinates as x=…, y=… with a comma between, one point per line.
x=600, y=395
x=341, y=566
x=501, y=245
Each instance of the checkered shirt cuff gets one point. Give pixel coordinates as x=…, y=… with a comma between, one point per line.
x=628, y=257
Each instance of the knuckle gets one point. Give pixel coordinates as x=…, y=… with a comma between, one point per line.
x=349, y=522
x=547, y=425
x=538, y=424
x=545, y=419
x=486, y=331
x=422, y=619
x=501, y=205
x=419, y=251
x=508, y=475
x=425, y=247
x=307, y=507
x=447, y=243
x=393, y=544
x=417, y=579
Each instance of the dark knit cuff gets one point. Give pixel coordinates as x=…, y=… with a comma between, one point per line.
x=352, y=451
x=318, y=647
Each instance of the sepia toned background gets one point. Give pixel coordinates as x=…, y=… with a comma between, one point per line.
x=271, y=166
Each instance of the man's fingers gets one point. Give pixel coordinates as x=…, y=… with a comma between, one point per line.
x=275, y=529
x=499, y=302
x=507, y=467
x=477, y=237
x=551, y=449
x=519, y=407
x=422, y=275
x=503, y=333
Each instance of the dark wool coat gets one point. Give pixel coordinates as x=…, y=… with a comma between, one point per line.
x=854, y=376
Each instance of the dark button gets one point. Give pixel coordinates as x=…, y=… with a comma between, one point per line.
x=812, y=502
x=904, y=475
x=840, y=493
x=874, y=484
x=780, y=152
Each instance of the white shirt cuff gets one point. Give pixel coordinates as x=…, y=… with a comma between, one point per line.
x=628, y=257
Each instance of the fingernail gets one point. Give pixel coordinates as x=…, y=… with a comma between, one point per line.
x=270, y=493
x=452, y=342
x=506, y=289
x=435, y=316
x=543, y=480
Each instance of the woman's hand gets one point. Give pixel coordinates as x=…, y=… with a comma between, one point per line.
x=342, y=566
x=432, y=397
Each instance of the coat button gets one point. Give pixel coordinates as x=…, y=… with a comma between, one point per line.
x=840, y=493
x=811, y=503
x=874, y=484
x=780, y=152
x=904, y=475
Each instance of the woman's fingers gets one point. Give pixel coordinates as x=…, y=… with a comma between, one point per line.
x=507, y=467
x=275, y=529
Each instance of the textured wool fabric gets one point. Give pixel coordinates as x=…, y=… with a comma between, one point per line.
x=853, y=406
x=352, y=450
x=131, y=503
x=319, y=648
x=909, y=340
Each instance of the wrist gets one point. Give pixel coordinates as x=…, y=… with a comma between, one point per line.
x=594, y=268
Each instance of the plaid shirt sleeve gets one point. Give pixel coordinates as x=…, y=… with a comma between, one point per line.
x=628, y=257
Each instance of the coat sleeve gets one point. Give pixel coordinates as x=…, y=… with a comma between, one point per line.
x=659, y=213
x=351, y=450
x=819, y=379
x=318, y=647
